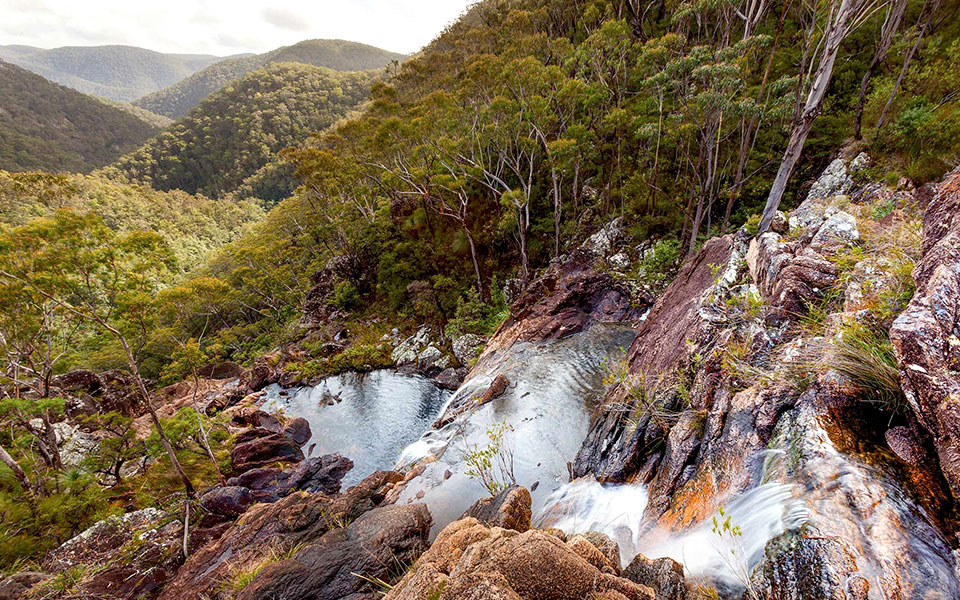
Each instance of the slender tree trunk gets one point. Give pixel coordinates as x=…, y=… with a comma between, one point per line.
x=17, y=471
x=930, y=11
x=203, y=430
x=837, y=31
x=473, y=259
x=890, y=27
x=145, y=394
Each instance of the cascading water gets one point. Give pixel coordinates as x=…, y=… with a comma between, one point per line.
x=368, y=418
x=617, y=511
x=554, y=387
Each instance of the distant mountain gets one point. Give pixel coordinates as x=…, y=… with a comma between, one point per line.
x=236, y=132
x=338, y=55
x=51, y=127
x=122, y=73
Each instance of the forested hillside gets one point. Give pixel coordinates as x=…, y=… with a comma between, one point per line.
x=47, y=126
x=529, y=124
x=122, y=73
x=240, y=129
x=192, y=225
x=338, y=55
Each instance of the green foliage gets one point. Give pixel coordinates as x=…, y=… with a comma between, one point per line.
x=175, y=101
x=865, y=356
x=238, y=130
x=492, y=463
x=345, y=296
x=50, y=127
x=193, y=226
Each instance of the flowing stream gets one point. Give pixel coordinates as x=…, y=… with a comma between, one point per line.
x=368, y=418
x=553, y=388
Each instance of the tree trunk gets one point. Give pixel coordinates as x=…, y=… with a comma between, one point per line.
x=837, y=31
x=907, y=59
x=473, y=259
x=145, y=394
x=17, y=471
x=890, y=27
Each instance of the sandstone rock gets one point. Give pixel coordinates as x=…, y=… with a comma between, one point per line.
x=926, y=336
x=468, y=558
x=431, y=357
x=14, y=586
x=261, y=479
x=510, y=509
x=604, y=242
x=263, y=451
x=229, y=501
x=592, y=554
x=371, y=546
x=664, y=575
x=605, y=545
x=497, y=388
x=838, y=230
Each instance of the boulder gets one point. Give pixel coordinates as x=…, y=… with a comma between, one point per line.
x=664, y=575
x=449, y=379
x=408, y=351
x=510, y=509
x=263, y=451
x=298, y=431
x=331, y=568
x=469, y=559
x=319, y=474
x=467, y=347
x=229, y=501
x=14, y=586
x=298, y=520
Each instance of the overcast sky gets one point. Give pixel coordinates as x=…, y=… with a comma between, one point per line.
x=224, y=27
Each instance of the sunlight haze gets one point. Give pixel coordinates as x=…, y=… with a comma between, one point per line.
x=224, y=27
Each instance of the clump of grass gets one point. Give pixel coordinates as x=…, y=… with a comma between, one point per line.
x=865, y=356
x=664, y=408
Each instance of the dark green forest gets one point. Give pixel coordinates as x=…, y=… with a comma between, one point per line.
x=237, y=131
x=176, y=100
x=53, y=128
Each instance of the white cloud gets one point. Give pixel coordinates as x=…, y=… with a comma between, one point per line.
x=224, y=27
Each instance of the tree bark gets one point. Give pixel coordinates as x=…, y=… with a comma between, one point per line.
x=930, y=11
x=839, y=28
x=17, y=471
x=890, y=27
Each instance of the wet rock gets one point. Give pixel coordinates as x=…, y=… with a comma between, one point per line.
x=664, y=575
x=449, y=379
x=497, y=388
x=322, y=474
x=926, y=336
x=467, y=347
x=371, y=545
x=263, y=451
x=467, y=559
x=510, y=509
x=298, y=431
x=229, y=501
x=796, y=567
x=14, y=586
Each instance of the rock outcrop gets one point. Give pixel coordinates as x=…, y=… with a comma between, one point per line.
x=470, y=560
x=926, y=336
